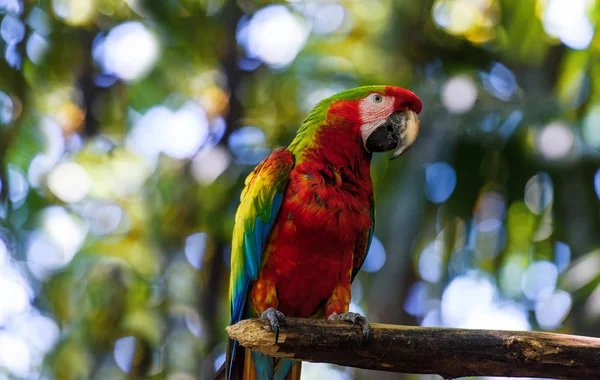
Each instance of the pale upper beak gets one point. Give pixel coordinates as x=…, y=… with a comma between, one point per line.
x=398, y=132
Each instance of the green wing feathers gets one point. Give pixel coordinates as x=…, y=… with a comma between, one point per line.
x=260, y=202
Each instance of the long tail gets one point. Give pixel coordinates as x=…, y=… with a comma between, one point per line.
x=244, y=364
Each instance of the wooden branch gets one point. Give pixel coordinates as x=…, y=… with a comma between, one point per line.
x=448, y=352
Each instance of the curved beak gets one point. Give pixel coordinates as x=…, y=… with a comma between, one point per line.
x=397, y=133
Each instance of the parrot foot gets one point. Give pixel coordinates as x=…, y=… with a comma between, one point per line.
x=276, y=318
x=356, y=319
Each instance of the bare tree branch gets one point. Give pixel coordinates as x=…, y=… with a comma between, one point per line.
x=448, y=352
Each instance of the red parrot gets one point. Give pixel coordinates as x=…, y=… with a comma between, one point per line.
x=306, y=218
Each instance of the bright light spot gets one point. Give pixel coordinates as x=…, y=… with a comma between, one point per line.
x=219, y=360
x=545, y=228
x=375, y=257
x=40, y=332
x=248, y=144
x=489, y=122
x=510, y=124
x=186, y=131
x=470, y=302
x=464, y=259
x=15, y=295
x=597, y=183
x=433, y=318
x=209, y=164
x=145, y=136
x=249, y=64
x=193, y=323
x=138, y=7
x=592, y=304
x=53, y=151
x=327, y=18
x=590, y=130
x=129, y=51
x=39, y=21
x=13, y=58
x=490, y=212
x=440, y=181
x=355, y=308
x=11, y=6
x=490, y=238
x=568, y=20
x=36, y=48
x=316, y=371
x=431, y=261
x=12, y=29
x=64, y=230
x=464, y=296
x=583, y=271
x=14, y=354
x=69, y=182
x=510, y=276
x=274, y=35
x=42, y=256
x=6, y=108
x=308, y=101
x=178, y=134
x=70, y=116
x=212, y=97
x=104, y=80
x=539, y=193
x=218, y=127
x=356, y=290
x=18, y=186
x=552, y=310
x=75, y=12
x=124, y=351
x=500, y=82
x=556, y=140
x=459, y=94
x=418, y=294
x=195, y=246
x=39, y=166
x=3, y=252
x=129, y=172
x=539, y=280
x=104, y=217
x=473, y=19
x=562, y=256
x=101, y=145
x=53, y=136
x=499, y=317
x=456, y=17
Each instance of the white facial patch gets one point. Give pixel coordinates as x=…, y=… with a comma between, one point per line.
x=373, y=113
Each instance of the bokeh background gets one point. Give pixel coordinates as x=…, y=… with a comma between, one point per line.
x=127, y=129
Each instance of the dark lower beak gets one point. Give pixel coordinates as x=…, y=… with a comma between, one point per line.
x=397, y=133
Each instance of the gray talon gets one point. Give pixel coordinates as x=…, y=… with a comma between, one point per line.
x=355, y=319
x=275, y=318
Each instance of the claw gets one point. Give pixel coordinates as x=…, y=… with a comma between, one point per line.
x=356, y=319
x=275, y=318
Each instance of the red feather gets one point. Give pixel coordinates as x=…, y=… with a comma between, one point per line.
x=325, y=211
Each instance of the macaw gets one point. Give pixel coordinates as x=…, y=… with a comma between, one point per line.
x=306, y=218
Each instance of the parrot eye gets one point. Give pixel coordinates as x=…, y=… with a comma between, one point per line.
x=377, y=98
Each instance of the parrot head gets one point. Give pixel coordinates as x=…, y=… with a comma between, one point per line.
x=385, y=117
